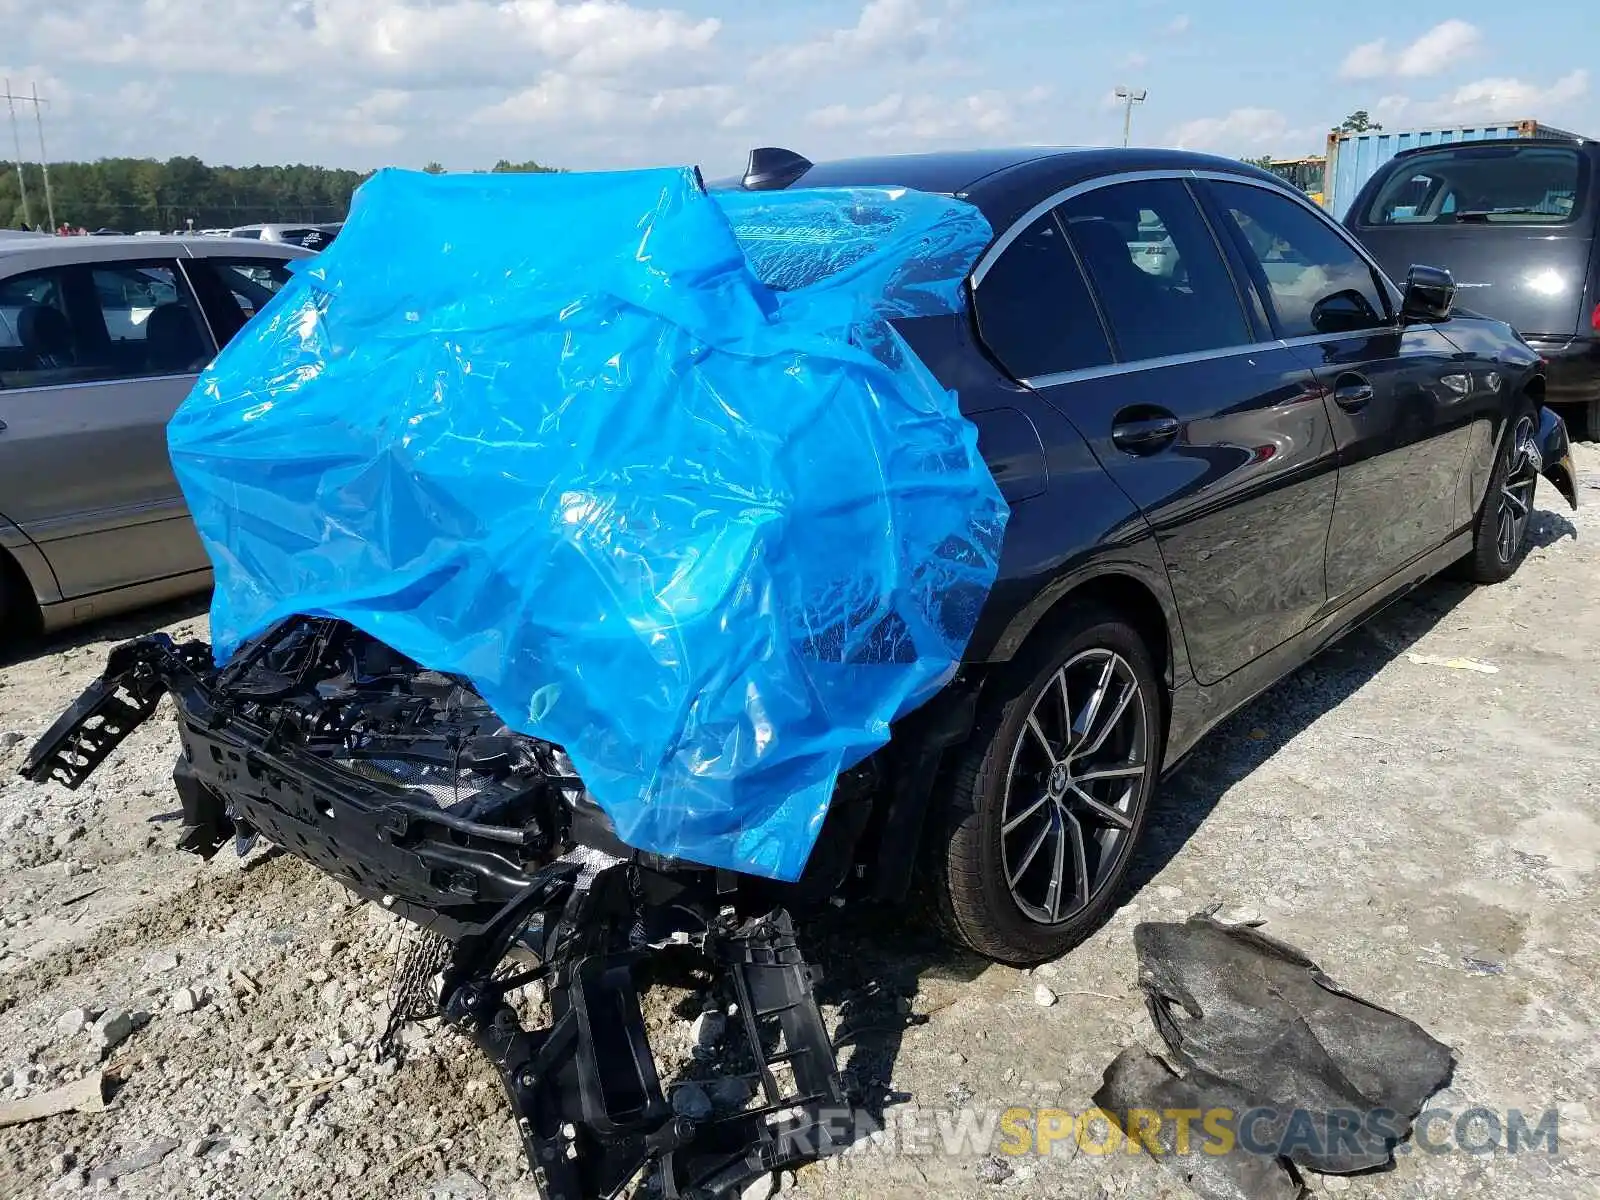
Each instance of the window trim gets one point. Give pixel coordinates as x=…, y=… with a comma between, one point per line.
x=1015, y=229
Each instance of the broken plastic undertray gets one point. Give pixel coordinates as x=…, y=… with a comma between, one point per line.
x=1280, y=1067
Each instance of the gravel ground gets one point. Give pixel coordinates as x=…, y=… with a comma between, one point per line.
x=1428, y=833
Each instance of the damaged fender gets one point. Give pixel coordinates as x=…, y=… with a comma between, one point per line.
x=1555, y=455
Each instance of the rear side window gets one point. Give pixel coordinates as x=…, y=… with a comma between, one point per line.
x=235, y=289
x=1033, y=308
x=1161, y=281
x=1520, y=185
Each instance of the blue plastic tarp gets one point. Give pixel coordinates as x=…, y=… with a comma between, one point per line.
x=648, y=466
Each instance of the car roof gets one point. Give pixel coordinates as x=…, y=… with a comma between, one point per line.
x=1002, y=182
x=1524, y=143
x=43, y=249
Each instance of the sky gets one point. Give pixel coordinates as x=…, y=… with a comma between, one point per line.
x=595, y=84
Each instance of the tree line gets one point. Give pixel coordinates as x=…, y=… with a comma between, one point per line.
x=142, y=193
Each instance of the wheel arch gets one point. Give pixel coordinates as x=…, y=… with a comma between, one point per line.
x=1136, y=591
x=947, y=723
x=24, y=590
x=20, y=615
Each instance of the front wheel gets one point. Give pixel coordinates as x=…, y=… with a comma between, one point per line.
x=1507, y=510
x=1043, y=807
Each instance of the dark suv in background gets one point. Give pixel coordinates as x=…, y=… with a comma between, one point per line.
x=1514, y=221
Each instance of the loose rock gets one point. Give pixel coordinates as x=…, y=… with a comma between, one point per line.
x=111, y=1030
x=148, y=1157
x=184, y=1000
x=708, y=1030
x=1043, y=995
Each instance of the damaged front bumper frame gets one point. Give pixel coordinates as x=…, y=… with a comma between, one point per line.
x=524, y=870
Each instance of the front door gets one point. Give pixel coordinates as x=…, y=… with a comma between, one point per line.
x=105, y=353
x=1401, y=399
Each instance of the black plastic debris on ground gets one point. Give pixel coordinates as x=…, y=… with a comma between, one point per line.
x=1277, y=1067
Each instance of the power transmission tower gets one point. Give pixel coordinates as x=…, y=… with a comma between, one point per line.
x=16, y=138
x=44, y=158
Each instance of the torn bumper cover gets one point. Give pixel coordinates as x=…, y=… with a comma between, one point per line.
x=403, y=784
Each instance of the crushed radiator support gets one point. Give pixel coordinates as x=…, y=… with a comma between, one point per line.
x=402, y=784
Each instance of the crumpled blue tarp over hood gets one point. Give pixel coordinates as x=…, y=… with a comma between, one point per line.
x=648, y=466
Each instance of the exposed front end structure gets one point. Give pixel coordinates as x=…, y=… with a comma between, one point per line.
x=402, y=784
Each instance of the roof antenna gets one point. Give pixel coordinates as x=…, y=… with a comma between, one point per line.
x=772, y=167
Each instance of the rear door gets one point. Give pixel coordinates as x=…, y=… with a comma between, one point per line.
x=1513, y=224
x=1402, y=399
x=1218, y=436
x=85, y=398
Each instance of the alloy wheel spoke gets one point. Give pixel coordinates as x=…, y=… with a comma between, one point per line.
x=1038, y=731
x=1518, y=504
x=1016, y=821
x=1091, y=708
x=1107, y=813
x=1081, y=853
x=1125, y=771
x=1099, y=736
x=1066, y=704
x=1058, y=870
x=1027, y=859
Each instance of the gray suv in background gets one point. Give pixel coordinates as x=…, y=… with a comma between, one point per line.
x=1515, y=222
x=100, y=341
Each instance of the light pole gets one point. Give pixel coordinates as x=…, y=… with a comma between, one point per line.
x=1129, y=97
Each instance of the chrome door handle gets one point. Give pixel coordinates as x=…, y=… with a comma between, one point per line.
x=1352, y=393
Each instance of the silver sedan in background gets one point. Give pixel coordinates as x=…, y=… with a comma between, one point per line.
x=100, y=341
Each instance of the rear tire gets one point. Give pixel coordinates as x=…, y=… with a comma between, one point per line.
x=1501, y=530
x=1049, y=794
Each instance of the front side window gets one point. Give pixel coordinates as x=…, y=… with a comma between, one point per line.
x=1314, y=279
x=252, y=281
x=1485, y=185
x=1155, y=267
x=1033, y=307
x=97, y=324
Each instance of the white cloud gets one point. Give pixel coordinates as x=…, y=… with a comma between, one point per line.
x=1242, y=131
x=896, y=29
x=1136, y=61
x=565, y=100
x=926, y=118
x=1367, y=61
x=1494, y=99
x=1176, y=27
x=1445, y=45
x=395, y=42
x=1440, y=48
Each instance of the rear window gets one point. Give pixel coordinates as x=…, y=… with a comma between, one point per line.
x=1487, y=185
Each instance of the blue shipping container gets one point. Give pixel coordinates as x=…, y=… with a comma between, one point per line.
x=1354, y=158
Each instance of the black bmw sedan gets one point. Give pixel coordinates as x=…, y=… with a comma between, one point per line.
x=1226, y=438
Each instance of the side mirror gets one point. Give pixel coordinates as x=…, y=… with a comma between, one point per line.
x=1430, y=293
x=1344, y=312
